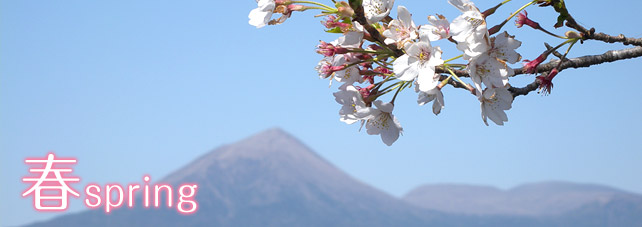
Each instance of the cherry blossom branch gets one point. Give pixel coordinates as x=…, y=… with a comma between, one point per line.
x=360, y=16
x=459, y=73
x=386, y=55
x=590, y=34
x=589, y=60
x=454, y=83
x=524, y=90
x=581, y=62
x=555, y=52
x=613, y=39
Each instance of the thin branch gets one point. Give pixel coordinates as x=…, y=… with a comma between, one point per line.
x=524, y=90
x=581, y=62
x=360, y=17
x=460, y=73
x=613, y=39
x=589, y=60
x=554, y=52
x=590, y=34
x=454, y=83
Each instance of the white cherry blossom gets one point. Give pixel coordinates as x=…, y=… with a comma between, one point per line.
x=462, y=5
x=439, y=28
x=488, y=70
x=494, y=101
x=351, y=39
x=402, y=30
x=503, y=47
x=376, y=10
x=433, y=95
x=381, y=121
x=490, y=67
x=324, y=67
x=348, y=75
x=351, y=101
x=261, y=16
x=419, y=62
x=469, y=29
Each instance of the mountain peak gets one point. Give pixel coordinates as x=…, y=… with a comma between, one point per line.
x=273, y=132
x=271, y=140
x=267, y=179
x=273, y=145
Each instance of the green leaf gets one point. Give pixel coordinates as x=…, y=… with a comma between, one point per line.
x=560, y=7
x=334, y=30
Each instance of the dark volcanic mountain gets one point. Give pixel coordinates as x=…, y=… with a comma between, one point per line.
x=271, y=179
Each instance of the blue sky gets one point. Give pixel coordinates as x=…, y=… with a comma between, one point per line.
x=144, y=87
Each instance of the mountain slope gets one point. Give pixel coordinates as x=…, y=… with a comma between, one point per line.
x=269, y=179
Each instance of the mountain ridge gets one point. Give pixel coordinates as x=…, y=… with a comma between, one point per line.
x=272, y=179
x=548, y=198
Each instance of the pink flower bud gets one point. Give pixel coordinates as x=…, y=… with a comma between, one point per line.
x=365, y=92
x=331, y=22
x=345, y=10
x=382, y=70
x=374, y=47
x=325, y=70
x=366, y=65
x=340, y=50
x=338, y=68
x=530, y=67
x=369, y=78
x=546, y=82
x=294, y=7
x=325, y=49
x=522, y=19
x=329, y=50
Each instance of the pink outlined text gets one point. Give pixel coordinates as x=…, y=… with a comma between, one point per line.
x=51, y=190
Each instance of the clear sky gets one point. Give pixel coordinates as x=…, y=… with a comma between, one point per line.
x=144, y=87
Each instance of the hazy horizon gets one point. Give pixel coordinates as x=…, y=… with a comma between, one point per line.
x=528, y=201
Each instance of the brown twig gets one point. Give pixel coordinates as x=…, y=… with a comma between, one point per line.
x=524, y=90
x=589, y=60
x=590, y=34
x=360, y=16
x=454, y=83
x=554, y=52
x=581, y=62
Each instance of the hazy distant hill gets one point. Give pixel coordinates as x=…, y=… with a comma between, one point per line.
x=541, y=199
x=547, y=203
x=271, y=179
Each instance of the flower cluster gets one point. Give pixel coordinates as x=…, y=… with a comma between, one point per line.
x=384, y=56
